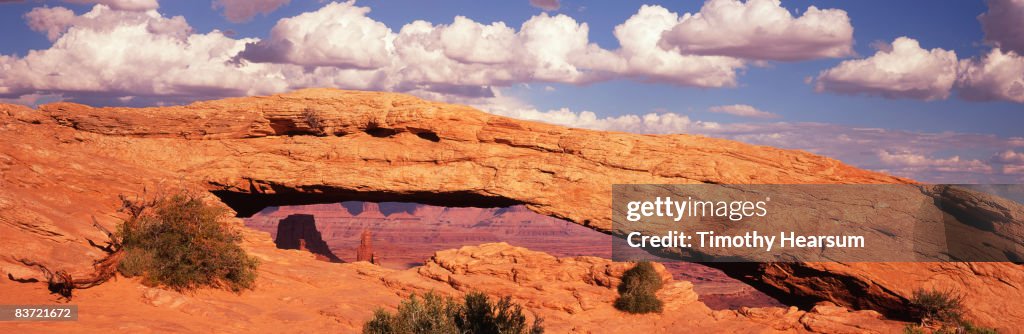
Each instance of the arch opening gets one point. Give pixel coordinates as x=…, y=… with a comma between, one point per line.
x=248, y=204
x=401, y=231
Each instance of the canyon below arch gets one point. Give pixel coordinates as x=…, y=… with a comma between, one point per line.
x=64, y=164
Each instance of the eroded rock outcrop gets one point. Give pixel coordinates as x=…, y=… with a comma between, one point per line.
x=65, y=163
x=365, y=251
x=299, y=231
x=580, y=292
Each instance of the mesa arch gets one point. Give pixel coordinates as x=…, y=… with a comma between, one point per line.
x=321, y=145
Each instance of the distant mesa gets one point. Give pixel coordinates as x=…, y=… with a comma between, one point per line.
x=298, y=231
x=371, y=210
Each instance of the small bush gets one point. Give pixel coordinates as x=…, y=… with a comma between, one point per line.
x=938, y=306
x=942, y=310
x=639, y=303
x=431, y=314
x=637, y=292
x=434, y=314
x=479, y=315
x=181, y=242
x=314, y=120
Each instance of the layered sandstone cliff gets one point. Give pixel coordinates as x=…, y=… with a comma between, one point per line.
x=64, y=163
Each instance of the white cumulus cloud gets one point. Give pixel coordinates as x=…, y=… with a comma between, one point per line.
x=903, y=71
x=339, y=34
x=140, y=53
x=465, y=52
x=55, y=21
x=996, y=76
x=640, y=56
x=546, y=48
x=52, y=21
x=107, y=56
x=109, y=53
x=762, y=29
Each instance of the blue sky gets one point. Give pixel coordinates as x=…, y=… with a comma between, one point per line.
x=992, y=126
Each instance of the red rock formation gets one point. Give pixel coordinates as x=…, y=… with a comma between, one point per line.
x=298, y=231
x=365, y=250
x=65, y=163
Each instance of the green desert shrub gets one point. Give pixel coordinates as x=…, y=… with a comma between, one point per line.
x=181, y=242
x=479, y=315
x=938, y=306
x=433, y=314
x=942, y=310
x=637, y=292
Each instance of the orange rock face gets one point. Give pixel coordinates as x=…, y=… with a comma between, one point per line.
x=65, y=163
x=296, y=293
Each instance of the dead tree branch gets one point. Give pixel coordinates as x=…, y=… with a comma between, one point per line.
x=62, y=283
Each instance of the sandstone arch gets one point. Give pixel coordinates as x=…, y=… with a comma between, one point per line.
x=68, y=162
